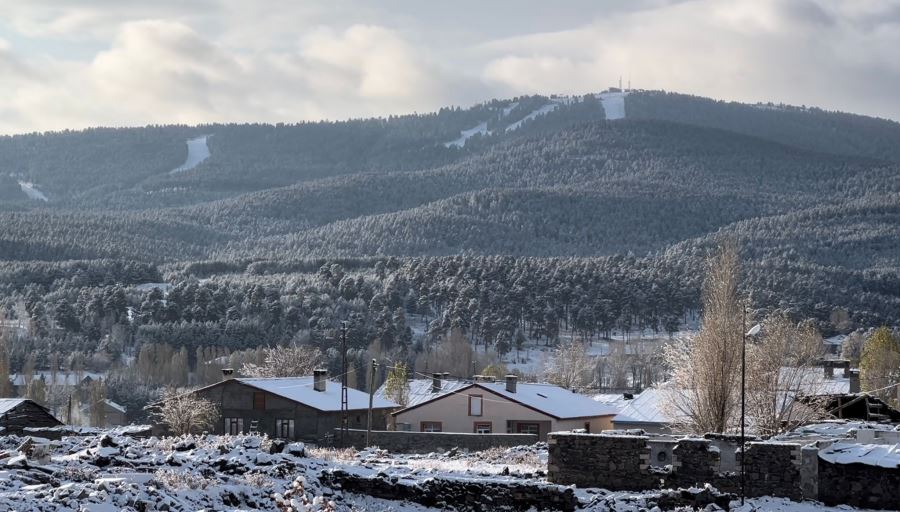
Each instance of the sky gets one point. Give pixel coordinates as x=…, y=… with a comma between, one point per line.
x=68, y=64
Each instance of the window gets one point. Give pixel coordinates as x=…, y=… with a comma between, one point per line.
x=431, y=426
x=284, y=429
x=483, y=427
x=528, y=428
x=475, y=405
x=234, y=426
x=259, y=401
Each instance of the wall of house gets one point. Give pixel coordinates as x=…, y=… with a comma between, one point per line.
x=452, y=411
x=235, y=400
x=427, y=442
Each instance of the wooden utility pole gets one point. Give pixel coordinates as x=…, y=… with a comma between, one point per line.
x=371, y=396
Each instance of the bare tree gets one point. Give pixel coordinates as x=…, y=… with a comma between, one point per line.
x=706, y=369
x=879, y=365
x=784, y=377
x=396, y=387
x=291, y=361
x=185, y=413
x=569, y=366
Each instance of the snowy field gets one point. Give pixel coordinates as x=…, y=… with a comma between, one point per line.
x=198, y=151
x=110, y=471
x=31, y=191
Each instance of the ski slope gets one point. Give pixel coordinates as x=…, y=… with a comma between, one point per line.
x=613, y=104
x=198, y=151
x=546, y=109
x=32, y=192
x=465, y=135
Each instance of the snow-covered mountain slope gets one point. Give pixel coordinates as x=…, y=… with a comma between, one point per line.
x=32, y=192
x=198, y=151
x=480, y=129
x=549, y=107
x=613, y=104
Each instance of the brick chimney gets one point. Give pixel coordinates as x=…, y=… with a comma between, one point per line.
x=319, y=379
x=511, y=383
x=227, y=373
x=436, y=382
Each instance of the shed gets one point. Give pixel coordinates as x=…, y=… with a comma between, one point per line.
x=18, y=413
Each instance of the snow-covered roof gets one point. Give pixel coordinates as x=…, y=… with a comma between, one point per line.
x=614, y=400
x=644, y=408
x=420, y=390
x=8, y=404
x=553, y=400
x=61, y=378
x=834, y=429
x=300, y=389
x=884, y=455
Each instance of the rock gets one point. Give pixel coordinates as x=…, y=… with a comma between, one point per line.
x=296, y=449
x=277, y=446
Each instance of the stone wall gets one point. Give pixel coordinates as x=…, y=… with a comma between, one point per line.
x=427, y=442
x=614, y=462
x=859, y=485
x=449, y=494
x=789, y=470
x=622, y=462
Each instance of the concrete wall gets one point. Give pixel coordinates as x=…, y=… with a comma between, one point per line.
x=427, y=442
x=235, y=400
x=452, y=411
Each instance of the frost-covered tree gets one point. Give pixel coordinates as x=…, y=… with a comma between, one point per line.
x=569, y=366
x=783, y=376
x=185, y=413
x=706, y=369
x=290, y=361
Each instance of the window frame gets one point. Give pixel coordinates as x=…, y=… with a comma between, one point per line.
x=537, y=427
x=440, y=426
x=477, y=424
x=480, y=405
x=280, y=424
x=230, y=422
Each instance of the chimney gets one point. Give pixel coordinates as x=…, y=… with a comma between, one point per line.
x=436, y=382
x=846, y=365
x=319, y=377
x=446, y=375
x=829, y=370
x=854, y=381
x=227, y=373
x=511, y=383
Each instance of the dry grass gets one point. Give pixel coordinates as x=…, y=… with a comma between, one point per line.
x=333, y=454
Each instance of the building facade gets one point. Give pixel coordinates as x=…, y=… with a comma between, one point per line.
x=295, y=408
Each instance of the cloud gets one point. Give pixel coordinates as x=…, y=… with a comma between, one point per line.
x=231, y=60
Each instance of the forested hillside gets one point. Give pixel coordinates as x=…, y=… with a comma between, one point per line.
x=520, y=217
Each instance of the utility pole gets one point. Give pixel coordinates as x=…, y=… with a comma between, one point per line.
x=743, y=393
x=371, y=396
x=345, y=409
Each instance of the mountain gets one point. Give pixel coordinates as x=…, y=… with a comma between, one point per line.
x=812, y=196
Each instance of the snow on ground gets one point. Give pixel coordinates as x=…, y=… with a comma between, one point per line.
x=110, y=471
x=546, y=109
x=480, y=129
x=613, y=104
x=198, y=151
x=32, y=192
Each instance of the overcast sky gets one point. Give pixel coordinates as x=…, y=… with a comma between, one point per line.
x=72, y=64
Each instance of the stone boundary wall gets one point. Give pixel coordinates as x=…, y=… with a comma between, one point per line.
x=427, y=442
x=784, y=469
x=449, y=494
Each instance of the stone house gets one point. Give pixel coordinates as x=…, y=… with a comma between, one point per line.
x=17, y=414
x=113, y=414
x=488, y=407
x=296, y=408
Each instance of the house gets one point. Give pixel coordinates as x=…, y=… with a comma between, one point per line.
x=297, y=408
x=17, y=414
x=485, y=407
x=66, y=379
x=648, y=412
x=113, y=414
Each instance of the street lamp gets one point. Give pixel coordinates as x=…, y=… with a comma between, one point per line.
x=752, y=332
